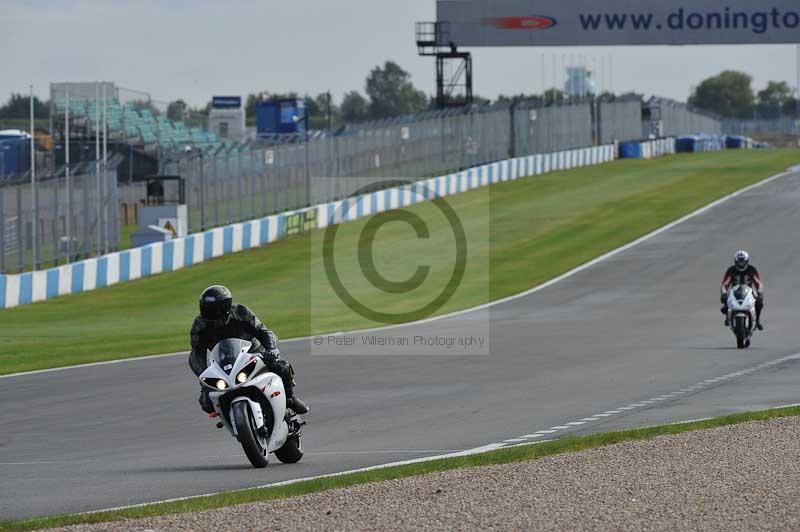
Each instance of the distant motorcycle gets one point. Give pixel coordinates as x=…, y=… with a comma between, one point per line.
x=742, y=313
x=251, y=403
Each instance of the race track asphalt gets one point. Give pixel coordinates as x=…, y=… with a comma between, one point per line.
x=642, y=324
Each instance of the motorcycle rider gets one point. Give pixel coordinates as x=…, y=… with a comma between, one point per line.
x=742, y=272
x=220, y=319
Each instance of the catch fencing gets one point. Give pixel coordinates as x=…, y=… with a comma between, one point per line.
x=183, y=252
x=668, y=118
x=619, y=121
x=258, y=178
x=235, y=182
x=779, y=127
x=60, y=220
x=548, y=129
x=241, y=182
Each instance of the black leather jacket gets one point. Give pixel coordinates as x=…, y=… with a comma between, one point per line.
x=242, y=324
x=749, y=276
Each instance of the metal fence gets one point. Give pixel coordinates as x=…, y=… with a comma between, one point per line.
x=237, y=182
x=548, y=129
x=677, y=118
x=255, y=179
x=59, y=221
x=786, y=126
x=619, y=120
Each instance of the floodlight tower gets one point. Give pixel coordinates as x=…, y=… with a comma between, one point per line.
x=453, y=68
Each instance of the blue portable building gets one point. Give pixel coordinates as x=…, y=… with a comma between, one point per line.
x=15, y=154
x=278, y=116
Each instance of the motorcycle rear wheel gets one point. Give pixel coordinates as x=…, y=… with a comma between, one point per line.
x=291, y=451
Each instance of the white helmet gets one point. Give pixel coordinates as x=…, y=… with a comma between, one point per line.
x=741, y=260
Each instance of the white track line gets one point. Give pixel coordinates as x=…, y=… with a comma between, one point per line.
x=477, y=450
x=33, y=463
x=421, y=451
x=634, y=406
x=551, y=282
x=90, y=364
x=513, y=442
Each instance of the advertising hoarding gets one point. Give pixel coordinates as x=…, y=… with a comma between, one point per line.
x=617, y=22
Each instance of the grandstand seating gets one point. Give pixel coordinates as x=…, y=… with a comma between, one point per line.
x=140, y=125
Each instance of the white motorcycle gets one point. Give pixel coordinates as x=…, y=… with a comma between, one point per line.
x=251, y=403
x=742, y=313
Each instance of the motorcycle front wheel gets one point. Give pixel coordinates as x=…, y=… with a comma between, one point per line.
x=246, y=431
x=740, y=330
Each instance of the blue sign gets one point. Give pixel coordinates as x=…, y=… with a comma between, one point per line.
x=226, y=102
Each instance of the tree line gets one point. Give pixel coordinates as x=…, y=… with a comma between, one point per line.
x=730, y=94
x=389, y=92
x=18, y=106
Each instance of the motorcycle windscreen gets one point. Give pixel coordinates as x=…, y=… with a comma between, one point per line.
x=227, y=351
x=740, y=292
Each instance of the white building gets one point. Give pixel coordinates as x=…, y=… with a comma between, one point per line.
x=227, y=118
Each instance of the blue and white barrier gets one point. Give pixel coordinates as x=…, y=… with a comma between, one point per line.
x=140, y=262
x=107, y=270
x=739, y=143
x=700, y=143
x=394, y=198
x=647, y=149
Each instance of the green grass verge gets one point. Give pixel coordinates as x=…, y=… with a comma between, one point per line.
x=501, y=456
x=126, y=235
x=522, y=233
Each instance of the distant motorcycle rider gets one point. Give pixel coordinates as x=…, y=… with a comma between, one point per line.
x=220, y=319
x=742, y=272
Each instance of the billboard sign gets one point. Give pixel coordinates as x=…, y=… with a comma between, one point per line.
x=301, y=222
x=617, y=22
x=226, y=102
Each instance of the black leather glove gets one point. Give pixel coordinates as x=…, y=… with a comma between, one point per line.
x=723, y=298
x=205, y=402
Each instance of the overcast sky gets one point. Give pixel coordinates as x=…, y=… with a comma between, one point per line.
x=194, y=49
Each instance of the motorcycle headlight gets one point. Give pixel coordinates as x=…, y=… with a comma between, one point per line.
x=243, y=375
x=217, y=384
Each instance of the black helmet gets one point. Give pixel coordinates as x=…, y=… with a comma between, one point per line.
x=215, y=305
x=741, y=260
